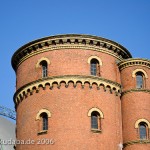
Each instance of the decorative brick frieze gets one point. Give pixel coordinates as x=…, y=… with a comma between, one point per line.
x=135, y=90
x=60, y=42
x=134, y=62
x=136, y=142
x=21, y=93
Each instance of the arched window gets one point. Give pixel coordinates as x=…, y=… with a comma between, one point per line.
x=139, y=80
x=95, y=67
x=44, y=118
x=95, y=120
x=95, y=115
x=44, y=68
x=143, y=130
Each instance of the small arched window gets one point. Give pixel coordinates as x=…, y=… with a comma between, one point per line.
x=95, y=120
x=139, y=80
x=44, y=118
x=44, y=68
x=143, y=130
x=95, y=67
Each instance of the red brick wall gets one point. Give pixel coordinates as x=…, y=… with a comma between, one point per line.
x=67, y=62
x=128, y=82
x=135, y=106
x=69, y=124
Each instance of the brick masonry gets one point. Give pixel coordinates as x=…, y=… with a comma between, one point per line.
x=69, y=125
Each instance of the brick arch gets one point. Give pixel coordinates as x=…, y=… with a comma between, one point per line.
x=142, y=120
x=95, y=109
x=139, y=70
x=94, y=57
x=42, y=59
x=43, y=111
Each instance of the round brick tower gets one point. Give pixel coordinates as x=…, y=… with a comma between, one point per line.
x=135, y=100
x=68, y=94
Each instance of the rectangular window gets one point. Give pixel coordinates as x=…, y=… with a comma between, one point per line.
x=45, y=123
x=44, y=71
x=94, y=122
x=139, y=81
x=93, y=69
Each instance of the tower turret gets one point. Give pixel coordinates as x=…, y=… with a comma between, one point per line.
x=135, y=98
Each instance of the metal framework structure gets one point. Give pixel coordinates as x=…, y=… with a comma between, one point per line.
x=7, y=112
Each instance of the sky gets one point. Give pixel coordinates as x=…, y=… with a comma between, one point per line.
x=21, y=21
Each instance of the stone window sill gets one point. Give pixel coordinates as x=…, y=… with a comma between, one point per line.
x=42, y=132
x=96, y=130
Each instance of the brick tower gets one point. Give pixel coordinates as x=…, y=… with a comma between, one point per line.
x=81, y=92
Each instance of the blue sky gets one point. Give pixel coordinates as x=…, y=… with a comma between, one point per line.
x=124, y=21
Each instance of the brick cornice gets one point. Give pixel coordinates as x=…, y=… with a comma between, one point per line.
x=136, y=142
x=28, y=89
x=59, y=42
x=134, y=62
x=135, y=90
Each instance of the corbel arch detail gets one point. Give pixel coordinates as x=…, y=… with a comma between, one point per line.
x=43, y=111
x=42, y=59
x=142, y=120
x=139, y=70
x=95, y=57
x=95, y=109
x=49, y=82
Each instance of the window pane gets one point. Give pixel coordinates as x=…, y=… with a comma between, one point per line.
x=44, y=68
x=94, y=64
x=44, y=71
x=94, y=122
x=142, y=131
x=45, y=122
x=139, y=80
x=93, y=69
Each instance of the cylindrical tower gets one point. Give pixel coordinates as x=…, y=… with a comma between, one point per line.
x=135, y=100
x=68, y=93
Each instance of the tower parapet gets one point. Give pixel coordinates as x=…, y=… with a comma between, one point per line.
x=69, y=41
